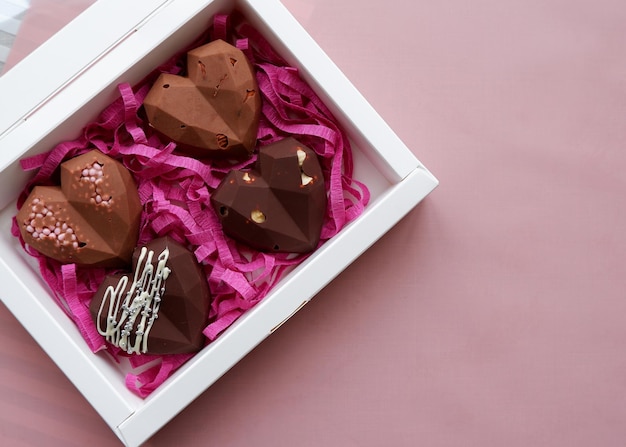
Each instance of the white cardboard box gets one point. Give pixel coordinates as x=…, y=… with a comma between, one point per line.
x=123, y=48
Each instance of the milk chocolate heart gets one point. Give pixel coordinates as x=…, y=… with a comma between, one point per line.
x=160, y=308
x=215, y=110
x=92, y=219
x=277, y=206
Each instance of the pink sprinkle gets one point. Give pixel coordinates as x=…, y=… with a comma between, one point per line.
x=30, y=229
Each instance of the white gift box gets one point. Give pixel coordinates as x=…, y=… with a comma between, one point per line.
x=64, y=84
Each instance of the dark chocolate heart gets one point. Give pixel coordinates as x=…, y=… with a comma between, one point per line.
x=215, y=110
x=160, y=308
x=280, y=204
x=92, y=218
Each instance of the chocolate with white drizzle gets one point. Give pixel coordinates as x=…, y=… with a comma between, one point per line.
x=161, y=308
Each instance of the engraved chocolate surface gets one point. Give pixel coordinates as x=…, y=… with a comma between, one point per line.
x=160, y=308
x=280, y=204
x=92, y=218
x=215, y=110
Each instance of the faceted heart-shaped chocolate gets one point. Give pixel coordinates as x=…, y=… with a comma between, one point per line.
x=160, y=308
x=215, y=110
x=280, y=204
x=92, y=218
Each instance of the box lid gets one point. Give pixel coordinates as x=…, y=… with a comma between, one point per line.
x=64, y=57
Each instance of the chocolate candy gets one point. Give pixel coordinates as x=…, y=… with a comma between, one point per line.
x=92, y=218
x=280, y=204
x=215, y=110
x=160, y=308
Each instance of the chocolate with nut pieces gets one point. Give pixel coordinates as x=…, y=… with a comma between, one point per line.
x=279, y=205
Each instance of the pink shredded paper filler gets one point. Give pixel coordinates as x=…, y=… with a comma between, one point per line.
x=238, y=276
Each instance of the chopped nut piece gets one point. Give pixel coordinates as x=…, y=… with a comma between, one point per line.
x=301, y=156
x=257, y=216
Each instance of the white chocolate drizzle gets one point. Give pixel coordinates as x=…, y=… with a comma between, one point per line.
x=138, y=307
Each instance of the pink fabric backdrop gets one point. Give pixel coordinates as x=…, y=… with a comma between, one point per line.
x=504, y=293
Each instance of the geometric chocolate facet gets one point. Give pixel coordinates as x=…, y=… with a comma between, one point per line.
x=215, y=110
x=91, y=219
x=161, y=307
x=277, y=206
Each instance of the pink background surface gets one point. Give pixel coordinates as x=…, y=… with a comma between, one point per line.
x=494, y=313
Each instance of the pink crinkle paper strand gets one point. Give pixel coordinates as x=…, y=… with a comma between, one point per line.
x=175, y=191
